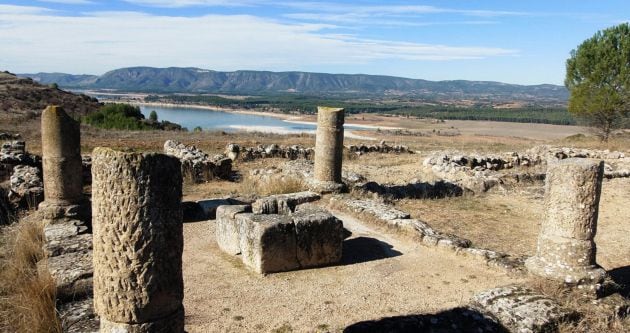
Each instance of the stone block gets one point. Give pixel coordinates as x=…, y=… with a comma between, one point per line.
x=283, y=203
x=79, y=317
x=227, y=227
x=521, y=310
x=268, y=242
x=72, y=273
x=319, y=236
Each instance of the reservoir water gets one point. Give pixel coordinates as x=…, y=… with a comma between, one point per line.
x=229, y=121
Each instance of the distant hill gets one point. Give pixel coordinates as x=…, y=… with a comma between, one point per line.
x=195, y=80
x=20, y=97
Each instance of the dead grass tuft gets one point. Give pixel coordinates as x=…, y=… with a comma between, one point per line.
x=592, y=318
x=27, y=299
x=272, y=185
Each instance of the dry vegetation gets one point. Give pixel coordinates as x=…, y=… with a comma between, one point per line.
x=507, y=223
x=27, y=299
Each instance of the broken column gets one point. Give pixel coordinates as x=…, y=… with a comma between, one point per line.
x=138, y=241
x=61, y=147
x=328, y=150
x=566, y=248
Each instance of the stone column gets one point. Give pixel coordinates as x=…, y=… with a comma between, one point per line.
x=61, y=147
x=566, y=249
x=328, y=150
x=138, y=241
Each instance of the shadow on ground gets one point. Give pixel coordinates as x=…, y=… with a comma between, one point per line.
x=456, y=320
x=621, y=276
x=363, y=249
x=437, y=190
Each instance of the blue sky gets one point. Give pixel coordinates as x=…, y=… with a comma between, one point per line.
x=524, y=42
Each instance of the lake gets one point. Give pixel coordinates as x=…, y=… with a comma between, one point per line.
x=229, y=121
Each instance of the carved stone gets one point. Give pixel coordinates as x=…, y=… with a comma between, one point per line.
x=138, y=241
x=566, y=248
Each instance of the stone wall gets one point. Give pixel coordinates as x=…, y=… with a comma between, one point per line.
x=197, y=166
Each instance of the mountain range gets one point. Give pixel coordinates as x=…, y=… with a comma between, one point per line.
x=196, y=80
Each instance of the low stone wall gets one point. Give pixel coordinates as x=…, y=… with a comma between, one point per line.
x=391, y=217
x=292, y=152
x=197, y=166
x=480, y=173
x=382, y=147
x=27, y=188
x=14, y=153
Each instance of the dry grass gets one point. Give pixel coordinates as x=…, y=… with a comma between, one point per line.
x=27, y=302
x=592, y=318
x=272, y=185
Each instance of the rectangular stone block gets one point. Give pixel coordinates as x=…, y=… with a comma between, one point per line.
x=72, y=273
x=268, y=242
x=319, y=236
x=227, y=228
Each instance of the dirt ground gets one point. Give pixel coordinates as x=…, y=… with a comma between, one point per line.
x=380, y=275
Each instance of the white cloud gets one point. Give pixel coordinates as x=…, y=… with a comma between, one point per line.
x=103, y=41
x=20, y=10
x=69, y=2
x=190, y=3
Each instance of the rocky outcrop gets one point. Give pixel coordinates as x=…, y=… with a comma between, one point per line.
x=197, y=166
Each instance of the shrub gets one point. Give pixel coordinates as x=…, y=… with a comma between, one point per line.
x=117, y=116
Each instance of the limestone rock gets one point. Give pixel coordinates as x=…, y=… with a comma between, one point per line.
x=79, y=317
x=138, y=238
x=566, y=248
x=72, y=273
x=329, y=144
x=374, y=208
x=196, y=165
x=520, y=309
x=268, y=242
x=65, y=238
x=27, y=188
x=319, y=236
x=228, y=229
x=283, y=203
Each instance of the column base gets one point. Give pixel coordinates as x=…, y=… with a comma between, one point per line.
x=171, y=324
x=586, y=276
x=326, y=187
x=54, y=210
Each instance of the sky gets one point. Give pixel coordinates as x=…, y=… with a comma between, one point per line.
x=523, y=42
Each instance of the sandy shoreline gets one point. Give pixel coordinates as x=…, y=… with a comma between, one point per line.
x=217, y=108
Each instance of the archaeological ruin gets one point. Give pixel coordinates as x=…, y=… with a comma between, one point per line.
x=566, y=248
x=138, y=242
x=61, y=163
x=328, y=150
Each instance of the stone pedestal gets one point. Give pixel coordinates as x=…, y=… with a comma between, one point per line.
x=61, y=148
x=138, y=241
x=328, y=151
x=566, y=249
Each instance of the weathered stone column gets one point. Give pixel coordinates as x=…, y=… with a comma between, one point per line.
x=61, y=147
x=138, y=241
x=328, y=150
x=566, y=249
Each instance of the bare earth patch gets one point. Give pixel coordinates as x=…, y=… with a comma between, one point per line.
x=380, y=275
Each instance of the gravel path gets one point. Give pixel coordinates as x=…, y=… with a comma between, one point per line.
x=380, y=275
